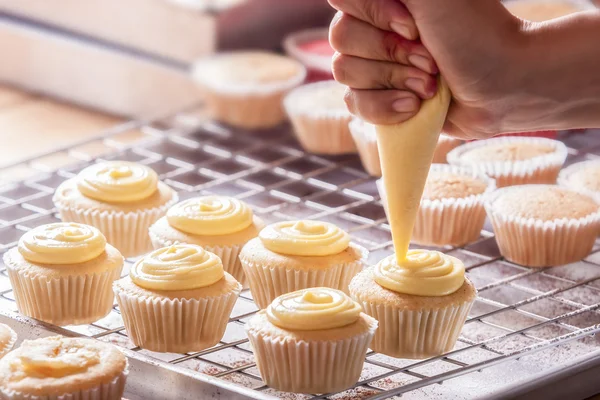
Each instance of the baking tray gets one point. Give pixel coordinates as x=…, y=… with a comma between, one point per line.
x=530, y=334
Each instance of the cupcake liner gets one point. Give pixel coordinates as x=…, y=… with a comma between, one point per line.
x=268, y=283
x=564, y=178
x=310, y=366
x=314, y=62
x=71, y=300
x=112, y=390
x=415, y=334
x=444, y=146
x=175, y=325
x=227, y=254
x=541, y=169
x=128, y=232
x=366, y=143
x=320, y=131
x=11, y=343
x=537, y=243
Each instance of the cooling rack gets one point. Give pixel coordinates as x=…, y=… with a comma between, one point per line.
x=529, y=333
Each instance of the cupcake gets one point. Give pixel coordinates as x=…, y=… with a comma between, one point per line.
x=444, y=146
x=245, y=89
x=294, y=255
x=220, y=224
x=311, y=47
x=120, y=198
x=320, y=117
x=543, y=225
x=8, y=338
x=311, y=341
x=62, y=273
x=513, y=160
x=544, y=10
x=61, y=368
x=583, y=177
x=421, y=303
x=451, y=210
x=177, y=299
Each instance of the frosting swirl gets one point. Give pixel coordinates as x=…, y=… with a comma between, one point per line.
x=56, y=357
x=305, y=238
x=117, y=182
x=210, y=215
x=421, y=273
x=177, y=267
x=62, y=243
x=313, y=309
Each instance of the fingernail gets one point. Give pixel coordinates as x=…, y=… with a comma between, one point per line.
x=401, y=29
x=420, y=62
x=417, y=85
x=404, y=105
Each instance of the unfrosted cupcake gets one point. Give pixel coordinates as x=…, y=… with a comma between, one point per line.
x=8, y=338
x=451, y=210
x=320, y=117
x=583, y=177
x=60, y=368
x=513, y=160
x=311, y=341
x=121, y=199
x=294, y=255
x=62, y=273
x=177, y=299
x=246, y=88
x=220, y=224
x=421, y=303
x=543, y=225
x=543, y=10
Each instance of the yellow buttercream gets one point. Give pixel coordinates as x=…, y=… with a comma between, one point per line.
x=422, y=273
x=54, y=357
x=177, y=267
x=210, y=215
x=62, y=243
x=117, y=182
x=304, y=238
x=313, y=309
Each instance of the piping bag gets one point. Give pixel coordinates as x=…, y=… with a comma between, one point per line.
x=406, y=153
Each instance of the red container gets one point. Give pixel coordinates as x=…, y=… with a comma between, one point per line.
x=311, y=47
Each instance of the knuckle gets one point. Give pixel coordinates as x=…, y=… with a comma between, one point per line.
x=339, y=67
x=349, y=99
x=337, y=31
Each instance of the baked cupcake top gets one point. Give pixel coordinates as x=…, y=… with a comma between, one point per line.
x=543, y=202
x=584, y=176
x=8, y=337
x=178, y=267
x=508, y=151
x=538, y=11
x=325, y=96
x=445, y=182
x=57, y=365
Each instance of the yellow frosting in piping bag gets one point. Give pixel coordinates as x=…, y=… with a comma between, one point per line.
x=62, y=243
x=210, y=215
x=304, y=238
x=313, y=309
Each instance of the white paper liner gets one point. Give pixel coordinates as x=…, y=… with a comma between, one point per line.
x=564, y=178
x=11, y=342
x=537, y=243
x=72, y=300
x=268, y=283
x=128, y=232
x=112, y=390
x=322, y=131
x=444, y=146
x=227, y=254
x=175, y=325
x=310, y=366
x=541, y=169
x=315, y=61
x=366, y=143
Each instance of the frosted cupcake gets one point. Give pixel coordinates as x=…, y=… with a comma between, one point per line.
x=421, y=303
x=220, y=224
x=60, y=368
x=62, y=273
x=293, y=255
x=320, y=118
x=543, y=225
x=513, y=160
x=245, y=89
x=583, y=177
x=121, y=199
x=8, y=338
x=177, y=299
x=311, y=341
x=451, y=211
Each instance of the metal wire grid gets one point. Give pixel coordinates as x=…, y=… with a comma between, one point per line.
x=519, y=311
